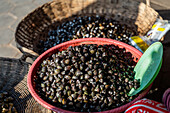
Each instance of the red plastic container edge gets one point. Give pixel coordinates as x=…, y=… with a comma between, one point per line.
x=100, y=41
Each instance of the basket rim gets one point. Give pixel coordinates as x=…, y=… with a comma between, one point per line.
x=42, y=56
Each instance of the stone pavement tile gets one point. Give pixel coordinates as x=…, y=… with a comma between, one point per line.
x=40, y=2
x=157, y=7
x=154, y=5
x=22, y=10
x=5, y=6
x=14, y=25
x=13, y=43
x=20, y=2
x=18, y=55
x=6, y=20
x=8, y=51
x=163, y=3
x=29, y=60
x=6, y=36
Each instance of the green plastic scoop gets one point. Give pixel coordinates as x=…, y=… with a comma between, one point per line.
x=148, y=67
x=153, y=78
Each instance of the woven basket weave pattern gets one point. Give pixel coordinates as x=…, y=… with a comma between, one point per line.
x=12, y=72
x=13, y=79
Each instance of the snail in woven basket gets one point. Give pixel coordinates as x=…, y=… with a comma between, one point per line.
x=86, y=27
x=6, y=103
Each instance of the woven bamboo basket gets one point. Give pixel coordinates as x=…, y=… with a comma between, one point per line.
x=136, y=15
x=13, y=79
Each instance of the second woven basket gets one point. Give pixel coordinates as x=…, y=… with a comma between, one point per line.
x=34, y=27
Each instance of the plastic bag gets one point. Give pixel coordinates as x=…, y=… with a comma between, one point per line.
x=159, y=29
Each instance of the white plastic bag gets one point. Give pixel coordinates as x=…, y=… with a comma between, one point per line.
x=159, y=29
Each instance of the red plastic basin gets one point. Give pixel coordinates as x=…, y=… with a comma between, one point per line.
x=100, y=41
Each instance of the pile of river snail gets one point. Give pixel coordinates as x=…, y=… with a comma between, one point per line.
x=6, y=103
x=86, y=27
x=87, y=78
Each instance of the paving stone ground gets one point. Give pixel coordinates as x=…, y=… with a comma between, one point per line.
x=11, y=13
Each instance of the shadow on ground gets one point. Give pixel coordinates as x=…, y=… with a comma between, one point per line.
x=162, y=80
